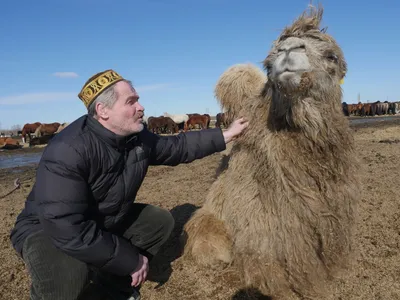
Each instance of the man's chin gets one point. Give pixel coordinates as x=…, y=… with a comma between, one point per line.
x=135, y=129
x=140, y=127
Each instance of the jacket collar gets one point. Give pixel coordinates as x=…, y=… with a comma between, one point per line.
x=116, y=141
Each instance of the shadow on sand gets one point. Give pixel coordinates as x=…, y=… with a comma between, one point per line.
x=160, y=268
x=250, y=293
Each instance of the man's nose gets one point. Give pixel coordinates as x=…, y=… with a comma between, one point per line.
x=139, y=106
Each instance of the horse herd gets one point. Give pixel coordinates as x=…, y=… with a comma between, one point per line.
x=371, y=109
x=41, y=133
x=170, y=124
x=167, y=123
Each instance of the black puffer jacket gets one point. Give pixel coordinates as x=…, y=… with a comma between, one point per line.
x=86, y=182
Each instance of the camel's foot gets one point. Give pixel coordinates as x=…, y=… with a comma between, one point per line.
x=207, y=240
x=274, y=279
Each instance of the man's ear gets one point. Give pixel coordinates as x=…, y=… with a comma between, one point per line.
x=101, y=110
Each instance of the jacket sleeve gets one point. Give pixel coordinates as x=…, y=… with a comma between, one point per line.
x=184, y=147
x=65, y=209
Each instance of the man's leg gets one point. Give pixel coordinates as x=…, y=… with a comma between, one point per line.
x=54, y=274
x=148, y=228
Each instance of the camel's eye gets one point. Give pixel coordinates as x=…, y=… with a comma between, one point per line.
x=332, y=57
x=268, y=65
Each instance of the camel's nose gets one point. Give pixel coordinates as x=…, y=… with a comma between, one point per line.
x=292, y=44
x=292, y=57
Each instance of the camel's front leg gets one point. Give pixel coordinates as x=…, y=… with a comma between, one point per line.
x=207, y=240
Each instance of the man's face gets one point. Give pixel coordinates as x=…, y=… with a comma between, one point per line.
x=126, y=115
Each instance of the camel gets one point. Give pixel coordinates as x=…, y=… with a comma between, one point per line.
x=282, y=210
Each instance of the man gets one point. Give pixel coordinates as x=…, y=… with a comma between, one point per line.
x=80, y=217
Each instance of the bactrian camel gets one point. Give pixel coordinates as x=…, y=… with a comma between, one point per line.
x=282, y=211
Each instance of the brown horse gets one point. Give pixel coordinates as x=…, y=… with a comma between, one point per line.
x=374, y=108
x=359, y=107
x=162, y=125
x=202, y=120
x=392, y=108
x=351, y=108
x=366, y=110
x=221, y=120
x=345, y=109
x=207, y=115
x=154, y=124
x=47, y=129
x=208, y=120
x=195, y=114
x=28, y=129
x=171, y=126
x=9, y=143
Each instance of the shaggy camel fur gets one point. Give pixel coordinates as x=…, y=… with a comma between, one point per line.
x=282, y=209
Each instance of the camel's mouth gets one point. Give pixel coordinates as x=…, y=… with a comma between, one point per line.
x=289, y=63
x=287, y=70
x=289, y=79
x=282, y=76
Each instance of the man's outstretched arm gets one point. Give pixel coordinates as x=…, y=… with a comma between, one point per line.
x=189, y=146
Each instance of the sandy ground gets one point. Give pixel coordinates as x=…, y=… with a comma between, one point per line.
x=181, y=189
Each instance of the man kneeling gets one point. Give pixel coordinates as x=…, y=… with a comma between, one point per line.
x=80, y=217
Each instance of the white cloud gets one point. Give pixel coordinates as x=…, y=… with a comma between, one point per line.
x=31, y=98
x=65, y=74
x=151, y=87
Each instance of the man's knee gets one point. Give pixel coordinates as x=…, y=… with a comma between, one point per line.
x=151, y=229
x=165, y=219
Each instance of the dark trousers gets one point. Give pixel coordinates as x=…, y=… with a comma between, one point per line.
x=55, y=275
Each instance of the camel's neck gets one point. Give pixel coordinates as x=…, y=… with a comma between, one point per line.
x=314, y=148
x=307, y=138
x=319, y=121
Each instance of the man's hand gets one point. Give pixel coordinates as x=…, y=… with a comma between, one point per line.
x=140, y=273
x=235, y=129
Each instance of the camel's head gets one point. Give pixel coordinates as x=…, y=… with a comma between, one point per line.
x=305, y=57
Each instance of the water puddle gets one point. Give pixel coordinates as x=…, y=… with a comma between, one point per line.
x=19, y=160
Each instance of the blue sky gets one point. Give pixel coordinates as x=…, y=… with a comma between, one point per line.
x=173, y=50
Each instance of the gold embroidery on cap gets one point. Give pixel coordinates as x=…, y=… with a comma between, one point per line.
x=96, y=86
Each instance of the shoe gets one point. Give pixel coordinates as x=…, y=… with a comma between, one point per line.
x=118, y=288
x=135, y=295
